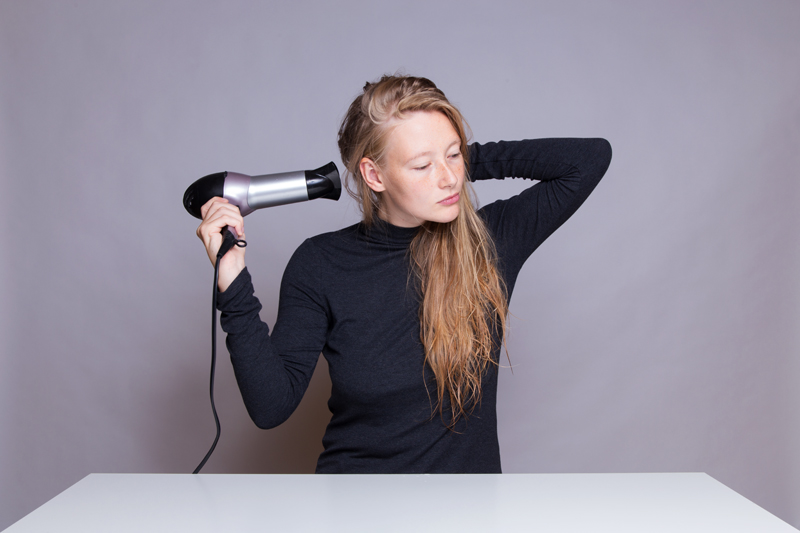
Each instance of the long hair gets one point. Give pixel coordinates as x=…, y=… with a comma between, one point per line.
x=463, y=304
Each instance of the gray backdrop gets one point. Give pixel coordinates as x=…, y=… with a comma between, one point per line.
x=656, y=331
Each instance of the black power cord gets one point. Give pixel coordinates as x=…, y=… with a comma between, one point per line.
x=229, y=241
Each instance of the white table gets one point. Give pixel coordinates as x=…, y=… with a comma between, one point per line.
x=377, y=503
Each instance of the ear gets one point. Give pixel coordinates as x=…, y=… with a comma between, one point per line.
x=372, y=174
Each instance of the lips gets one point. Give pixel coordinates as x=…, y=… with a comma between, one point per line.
x=450, y=200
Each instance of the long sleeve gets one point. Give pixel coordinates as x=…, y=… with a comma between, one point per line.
x=567, y=170
x=273, y=371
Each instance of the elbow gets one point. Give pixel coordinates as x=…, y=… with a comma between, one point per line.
x=266, y=418
x=265, y=422
x=603, y=150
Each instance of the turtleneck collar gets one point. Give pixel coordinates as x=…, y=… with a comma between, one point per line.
x=386, y=234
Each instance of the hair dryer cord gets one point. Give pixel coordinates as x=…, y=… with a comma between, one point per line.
x=227, y=243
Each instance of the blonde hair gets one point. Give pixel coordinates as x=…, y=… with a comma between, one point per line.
x=463, y=304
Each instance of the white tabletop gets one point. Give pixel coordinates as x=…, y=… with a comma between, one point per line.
x=376, y=503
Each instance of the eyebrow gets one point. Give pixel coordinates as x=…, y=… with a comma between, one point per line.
x=428, y=152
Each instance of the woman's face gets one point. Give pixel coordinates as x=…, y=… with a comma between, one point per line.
x=423, y=173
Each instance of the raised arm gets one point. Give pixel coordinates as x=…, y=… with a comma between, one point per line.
x=567, y=169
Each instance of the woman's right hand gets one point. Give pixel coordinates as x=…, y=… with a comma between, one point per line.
x=217, y=214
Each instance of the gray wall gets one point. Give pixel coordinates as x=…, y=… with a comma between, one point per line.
x=656, y=331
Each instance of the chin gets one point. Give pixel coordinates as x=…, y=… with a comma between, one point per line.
x=446, y=218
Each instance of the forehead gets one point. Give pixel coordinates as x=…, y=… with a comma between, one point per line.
x=421, y=131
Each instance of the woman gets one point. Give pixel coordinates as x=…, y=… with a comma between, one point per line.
x=409, y=306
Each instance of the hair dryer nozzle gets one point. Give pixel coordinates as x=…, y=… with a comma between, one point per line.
x=324, y=182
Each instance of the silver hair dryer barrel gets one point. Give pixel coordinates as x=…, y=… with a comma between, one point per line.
x=268, y=190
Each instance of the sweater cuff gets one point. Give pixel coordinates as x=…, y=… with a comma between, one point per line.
x=240, y=288
x=499, y=160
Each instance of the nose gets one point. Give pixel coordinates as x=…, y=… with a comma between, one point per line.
x=447, y=176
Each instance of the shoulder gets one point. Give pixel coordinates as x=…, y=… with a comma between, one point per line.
x=330, y=242
x=313, y=265
x=333, y=238
x=323, y=248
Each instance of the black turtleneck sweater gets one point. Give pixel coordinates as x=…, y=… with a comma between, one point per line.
x=348, y=295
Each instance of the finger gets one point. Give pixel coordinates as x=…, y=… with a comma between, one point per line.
x=214, y=200
x=216, y=209
x=214, y=223
x=230, y=214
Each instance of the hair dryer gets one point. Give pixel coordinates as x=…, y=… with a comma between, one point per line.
x=254, y=192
